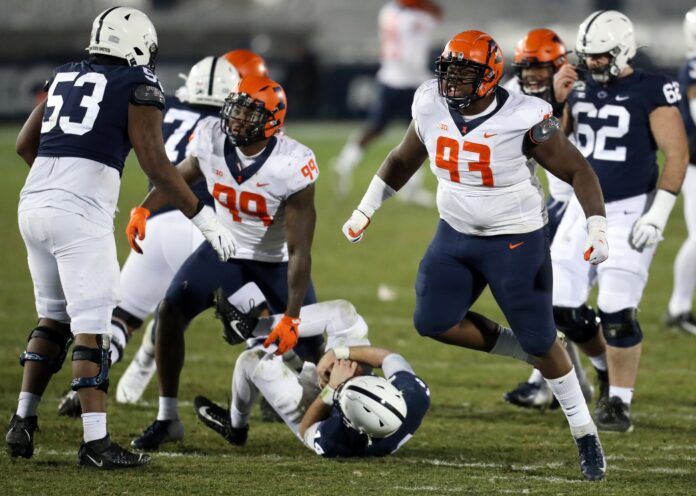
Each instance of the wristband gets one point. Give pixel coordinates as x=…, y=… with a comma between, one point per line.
x=341, y=352
x=327, y=395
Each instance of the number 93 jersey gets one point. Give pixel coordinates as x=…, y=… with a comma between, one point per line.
x=611, y=128
x=86, y=112
x=250, y=201
x=485, y=186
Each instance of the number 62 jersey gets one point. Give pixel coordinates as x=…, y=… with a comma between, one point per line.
x=250, y=192
x=485, y=186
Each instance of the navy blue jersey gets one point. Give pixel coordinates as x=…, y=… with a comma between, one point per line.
x=612, y=130
x=87, y=111
x=180, y=119
x=333, y=438
x=687, y=77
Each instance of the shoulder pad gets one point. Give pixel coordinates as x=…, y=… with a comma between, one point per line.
x=146, y=94
x=543, y=130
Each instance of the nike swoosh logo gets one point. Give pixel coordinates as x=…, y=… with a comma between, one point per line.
x=515, y=245
x=620, y=98
x=261, y=185
x=489, y=135
x=203, y=411
x=233, y=325
x=97, y=463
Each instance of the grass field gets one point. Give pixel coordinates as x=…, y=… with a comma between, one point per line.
x=471, y=442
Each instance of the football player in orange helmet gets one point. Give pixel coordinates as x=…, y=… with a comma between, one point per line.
x=254, y=111
x=492, y=231
x=247, y=63
x=538, y=56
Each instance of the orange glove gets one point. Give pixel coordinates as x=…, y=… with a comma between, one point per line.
x=136, y=227
x=286, y=333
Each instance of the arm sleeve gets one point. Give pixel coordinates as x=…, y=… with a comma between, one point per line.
x=395, y=363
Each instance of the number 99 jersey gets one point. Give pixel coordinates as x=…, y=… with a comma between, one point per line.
x=611, y=128
x=86, y=112
x=250, y=200
x=485, y=186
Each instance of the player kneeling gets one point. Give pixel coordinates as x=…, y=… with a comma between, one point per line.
x=353, y=415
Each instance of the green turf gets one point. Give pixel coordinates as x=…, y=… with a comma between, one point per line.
x=471, y=441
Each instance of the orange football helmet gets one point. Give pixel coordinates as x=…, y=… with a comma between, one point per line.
x=254, y=111
x=469, y=58
x=539, y=49
x=247, y=63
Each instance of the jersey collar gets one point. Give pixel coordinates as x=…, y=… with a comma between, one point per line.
x=464, y=127
x=240, y=173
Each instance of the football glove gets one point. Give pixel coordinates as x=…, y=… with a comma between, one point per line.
x=286, y=333
x=237, y=326
x=596, y=248
x=136, y=227
x=647, y=231
x=217, y=235
x=355, y=227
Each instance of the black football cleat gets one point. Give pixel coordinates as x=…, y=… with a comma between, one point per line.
x=159, y=432
x=69, y=405
x=592, y=463
x=102, y=454
x=218, y=419
x=614, y=416
x=19, y=440
x=531, y=395
x=603, y=386
x=684, y=321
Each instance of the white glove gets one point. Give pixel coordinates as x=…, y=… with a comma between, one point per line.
x=647, y=231
x=217, y=235
x=354, y=228
x=596, y=248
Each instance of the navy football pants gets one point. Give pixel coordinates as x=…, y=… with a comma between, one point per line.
x=457, y=267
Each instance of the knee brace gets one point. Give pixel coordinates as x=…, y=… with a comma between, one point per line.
x=61, y=338
x=579, y=324
x=621, y=329
x=100, y=356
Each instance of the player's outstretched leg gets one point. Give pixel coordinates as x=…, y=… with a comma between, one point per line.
x=46, y=349
x=139, y=372
x=217, y=418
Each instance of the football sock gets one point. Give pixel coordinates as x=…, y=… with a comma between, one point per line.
x=119, y=338
x=168, y=408
x=577, y=364
x=567, y=391
x=626, y=394
x=350, y=157
x=27, y=404
x=237, y=418
x=508, y=345
x=535, y=377
x=599, y=362
x=94, y=425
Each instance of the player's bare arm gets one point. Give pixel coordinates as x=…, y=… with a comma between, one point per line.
x=28, y=138
x=668, y=130
x=189, y=170
x=300, y=220
x=558, y=155
x=145, y=133
x=404, y=160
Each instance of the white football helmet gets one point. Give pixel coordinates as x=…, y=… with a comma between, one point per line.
x=210, y=81
x=124, y=33
x=690, y=30
x=607, y=31
x=371, y=405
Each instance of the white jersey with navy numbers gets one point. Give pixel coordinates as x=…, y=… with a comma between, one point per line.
x=485, y=186
x=405, y=35
x=558, y=189
x=250, y=201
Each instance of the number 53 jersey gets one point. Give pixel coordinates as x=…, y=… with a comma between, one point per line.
x=485, y=186
x=250, y=197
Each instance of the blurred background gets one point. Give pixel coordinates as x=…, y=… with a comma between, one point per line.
x=325, y=52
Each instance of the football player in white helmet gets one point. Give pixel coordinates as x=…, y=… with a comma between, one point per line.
x=66, y=212
x=618, y=117
x=679, y=313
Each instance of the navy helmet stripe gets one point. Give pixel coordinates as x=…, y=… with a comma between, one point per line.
x=376, y=398
x=101, y=22
x=212, y=76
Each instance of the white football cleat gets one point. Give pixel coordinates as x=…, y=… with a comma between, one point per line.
x=137, y=376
